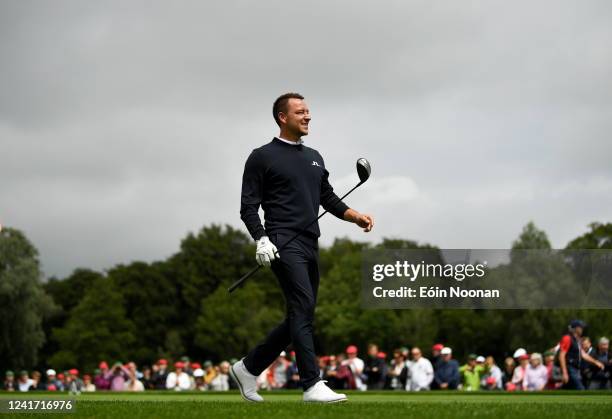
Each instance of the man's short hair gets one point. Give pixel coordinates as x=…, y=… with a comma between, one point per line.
x=280, y=104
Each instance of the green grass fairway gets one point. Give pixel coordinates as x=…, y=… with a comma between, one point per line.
x=378, y=405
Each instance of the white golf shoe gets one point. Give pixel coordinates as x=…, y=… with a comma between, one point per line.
x=246, y=382
x=320, y=393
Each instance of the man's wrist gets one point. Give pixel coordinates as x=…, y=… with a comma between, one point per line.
x=351, y=215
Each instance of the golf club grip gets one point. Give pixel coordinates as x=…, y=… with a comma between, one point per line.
x=244, y=278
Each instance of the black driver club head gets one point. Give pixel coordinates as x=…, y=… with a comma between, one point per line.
x=363, y=169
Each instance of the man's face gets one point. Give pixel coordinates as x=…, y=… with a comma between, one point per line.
x=603, y=347
x=586, y=344
x=578, y=331
x=297, y=117
x=373, y=350
x=416, y=354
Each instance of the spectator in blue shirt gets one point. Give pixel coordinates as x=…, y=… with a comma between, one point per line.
x=447, y=373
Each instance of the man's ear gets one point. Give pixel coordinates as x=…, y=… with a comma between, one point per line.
x=282, y=117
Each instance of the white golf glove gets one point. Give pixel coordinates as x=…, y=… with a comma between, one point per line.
x=266, y=252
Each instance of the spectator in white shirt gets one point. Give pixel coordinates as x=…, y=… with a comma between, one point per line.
x=356, y=365
x=221, y=380
x=492, y=380
x=178, y=379
x=420, y=372
x=536, y=374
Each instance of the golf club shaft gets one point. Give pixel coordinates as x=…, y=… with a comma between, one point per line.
x=256, y=268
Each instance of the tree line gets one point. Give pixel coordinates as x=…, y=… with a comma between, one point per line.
x=144, y=311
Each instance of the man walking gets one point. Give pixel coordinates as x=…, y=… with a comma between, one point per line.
x=289, y=181
x=570, y=355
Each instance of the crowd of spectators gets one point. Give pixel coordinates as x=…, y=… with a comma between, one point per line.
x=406, y=369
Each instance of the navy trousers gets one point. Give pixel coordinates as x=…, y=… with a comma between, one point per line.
x=297, y=272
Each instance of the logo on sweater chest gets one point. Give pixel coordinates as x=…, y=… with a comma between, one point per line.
x=315, y=163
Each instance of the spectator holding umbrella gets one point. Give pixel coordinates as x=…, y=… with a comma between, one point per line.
x=571, y=354
x=447, y=375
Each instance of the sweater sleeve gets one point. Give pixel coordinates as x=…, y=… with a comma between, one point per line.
x=252, y=193
x=329, y=200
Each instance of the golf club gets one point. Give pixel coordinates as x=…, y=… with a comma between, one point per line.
x=363, y=171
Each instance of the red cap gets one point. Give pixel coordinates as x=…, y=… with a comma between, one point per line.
x=381, y=355
x=103, y=365
x=195, y=365
x=162, y=362
x=523, y=357
x=74, y=371
x=60, y=376
x=51, y=387
x=179, y=365
x=491, y=380
x=292, y=354
x=437, y=347
x=351, y=349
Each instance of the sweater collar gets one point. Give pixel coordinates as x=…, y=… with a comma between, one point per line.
x=294, y=143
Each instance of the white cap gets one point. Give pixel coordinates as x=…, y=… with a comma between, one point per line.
x=446, y=351
x=283, y=353
x=480, y=358
x=604, y=340
x=536, y=355
x=51, y=372
x=198, y=372
x=519, y=352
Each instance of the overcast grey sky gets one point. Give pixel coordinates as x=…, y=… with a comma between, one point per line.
x=124, y=124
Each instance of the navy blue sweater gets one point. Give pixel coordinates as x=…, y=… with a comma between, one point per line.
x=289, y=182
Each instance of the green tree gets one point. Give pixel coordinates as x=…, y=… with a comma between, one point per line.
x=230, y=324
x=150, y=301
x=66, y=293
x=96, y=329
x=599, y=237
x=23, y=301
